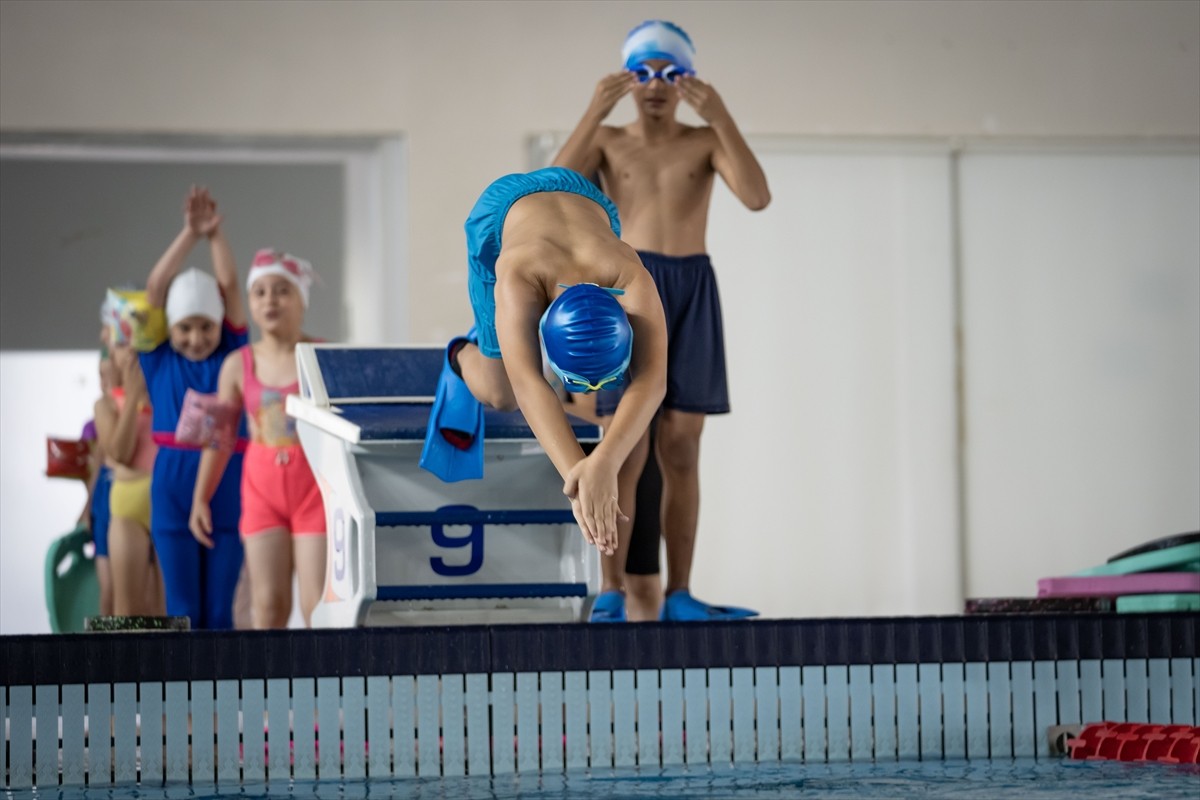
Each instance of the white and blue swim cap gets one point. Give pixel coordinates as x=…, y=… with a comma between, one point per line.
x=658, y=39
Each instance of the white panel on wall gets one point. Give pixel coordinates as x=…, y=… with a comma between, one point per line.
x=1081, y=308
x=831, y=488
x=41, y=394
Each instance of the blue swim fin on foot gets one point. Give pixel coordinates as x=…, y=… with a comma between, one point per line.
x=608, y=607
x=680, y=606
x=453, y=448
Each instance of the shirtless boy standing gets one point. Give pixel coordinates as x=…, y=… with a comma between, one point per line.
x=660, y=174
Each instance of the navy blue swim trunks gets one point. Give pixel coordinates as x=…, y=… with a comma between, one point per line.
x=696, y=379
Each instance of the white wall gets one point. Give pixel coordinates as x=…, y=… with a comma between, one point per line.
x=831, y=489
x=41, y=394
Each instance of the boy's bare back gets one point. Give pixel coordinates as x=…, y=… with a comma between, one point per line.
x=553, y=238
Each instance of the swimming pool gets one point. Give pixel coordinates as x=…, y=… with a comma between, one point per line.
x=430, y=711
x=961, y=780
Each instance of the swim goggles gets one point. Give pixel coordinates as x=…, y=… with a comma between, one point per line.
x=578, y=384
x=670, y=73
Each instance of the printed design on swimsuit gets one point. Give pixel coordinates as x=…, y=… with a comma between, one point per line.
x=272, y=424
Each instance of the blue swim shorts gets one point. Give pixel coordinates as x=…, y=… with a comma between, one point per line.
x=485, y=224
x=696, y=378
x=100, y=511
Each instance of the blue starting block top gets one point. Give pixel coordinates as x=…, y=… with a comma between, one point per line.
x=383, y=422
x=379, y=372
x=370, y=395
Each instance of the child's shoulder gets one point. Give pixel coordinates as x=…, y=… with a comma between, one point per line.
x=237, y=358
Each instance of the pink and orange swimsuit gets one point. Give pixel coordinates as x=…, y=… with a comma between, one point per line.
x=278, y=486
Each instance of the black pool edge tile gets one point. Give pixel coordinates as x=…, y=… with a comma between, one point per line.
x=811, y=634
x=1091, y=637
x=1184, y=636
x=1113, y=640
x=177, y=657
x=227, y=656
x=1020, y=639
x=108, y=658
x=272, y=654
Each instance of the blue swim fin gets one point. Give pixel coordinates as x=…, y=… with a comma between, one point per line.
x=454, y=438
x=680, y=606
x=608, y=607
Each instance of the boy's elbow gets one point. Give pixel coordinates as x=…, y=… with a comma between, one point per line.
x=651, y=387
x=658, y=389
x=759, y=201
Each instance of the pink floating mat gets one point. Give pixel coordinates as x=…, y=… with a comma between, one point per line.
x=1118, y=585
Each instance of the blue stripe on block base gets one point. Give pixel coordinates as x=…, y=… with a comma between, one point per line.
x=457, y=516
x=482, y=590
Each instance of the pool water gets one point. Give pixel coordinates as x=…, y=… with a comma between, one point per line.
x=961, y=780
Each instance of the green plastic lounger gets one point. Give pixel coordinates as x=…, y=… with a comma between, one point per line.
x=72, y=590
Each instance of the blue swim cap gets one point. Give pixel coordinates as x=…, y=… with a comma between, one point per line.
x=587, y=338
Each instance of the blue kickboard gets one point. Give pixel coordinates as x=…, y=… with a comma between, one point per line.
x=1171, y=559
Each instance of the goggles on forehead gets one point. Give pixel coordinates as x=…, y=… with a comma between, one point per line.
x=670, y=73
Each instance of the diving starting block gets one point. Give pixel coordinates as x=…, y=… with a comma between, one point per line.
x=404, y=548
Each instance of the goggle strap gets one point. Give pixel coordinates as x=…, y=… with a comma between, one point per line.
x=611, y=290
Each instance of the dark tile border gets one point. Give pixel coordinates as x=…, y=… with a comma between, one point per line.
x=225, y=655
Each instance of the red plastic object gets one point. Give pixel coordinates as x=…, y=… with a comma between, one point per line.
x=1133, y=741
x=67, y=458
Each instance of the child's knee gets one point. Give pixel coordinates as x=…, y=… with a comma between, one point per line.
x=496, y=396
x=504, y=401
x=647, y=588
x=273, y=609
x=677, y=451
x=487, y=379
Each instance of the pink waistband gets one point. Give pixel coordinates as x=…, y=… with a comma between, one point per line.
x=164, y=439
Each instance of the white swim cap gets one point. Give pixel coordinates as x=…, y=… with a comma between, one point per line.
x=269, y=261
x=194, y=294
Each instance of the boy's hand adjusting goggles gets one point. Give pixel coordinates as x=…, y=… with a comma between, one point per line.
x=670, y=73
